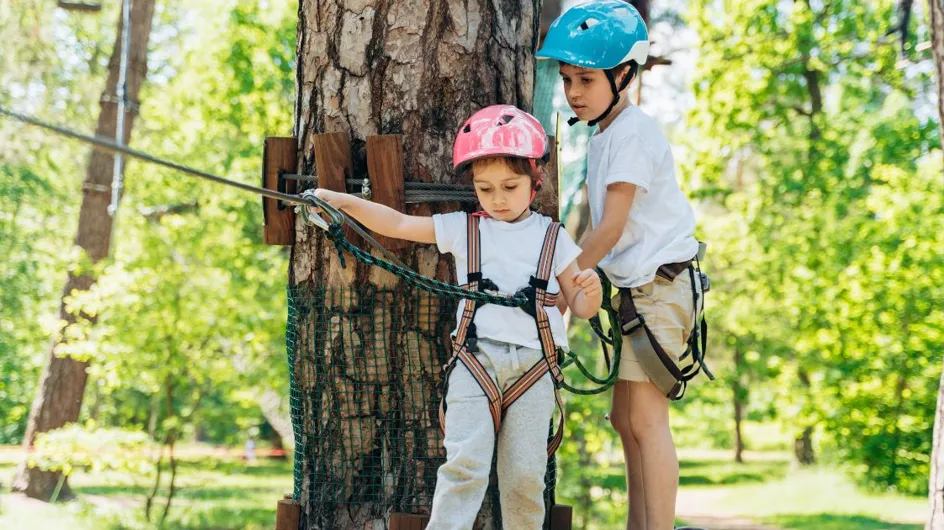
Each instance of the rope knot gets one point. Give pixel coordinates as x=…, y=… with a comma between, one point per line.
x=336, y=235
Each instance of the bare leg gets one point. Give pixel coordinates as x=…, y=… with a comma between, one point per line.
x=649, y=424
x=619, y=417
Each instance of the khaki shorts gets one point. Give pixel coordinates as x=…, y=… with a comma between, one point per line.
x=669, y=311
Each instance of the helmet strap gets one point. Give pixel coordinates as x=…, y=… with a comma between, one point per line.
x=633, y=67
x=537, y=175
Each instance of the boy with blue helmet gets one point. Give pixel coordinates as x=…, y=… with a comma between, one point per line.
x=641, y=237
x=601, y=35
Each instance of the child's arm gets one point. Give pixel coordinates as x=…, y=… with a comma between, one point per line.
x=381, y=219
x=582, y=290
x=598, y=242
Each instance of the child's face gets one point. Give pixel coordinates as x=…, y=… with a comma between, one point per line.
x=503, y=194
x=588, y=91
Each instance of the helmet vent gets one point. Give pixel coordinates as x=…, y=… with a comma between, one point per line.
x=467, y=129
x=589, y=23
x=505, y=119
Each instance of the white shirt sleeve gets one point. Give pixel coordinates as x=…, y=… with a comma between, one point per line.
x=632, y=161
x=450, y=229
x=565, y=253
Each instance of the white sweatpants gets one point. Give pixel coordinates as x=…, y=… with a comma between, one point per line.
x=470, y=443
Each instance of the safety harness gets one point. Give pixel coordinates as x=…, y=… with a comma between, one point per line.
x=671, y=378
x=465, y=342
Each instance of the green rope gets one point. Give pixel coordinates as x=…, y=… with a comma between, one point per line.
x=443, y=289
x=613, y=338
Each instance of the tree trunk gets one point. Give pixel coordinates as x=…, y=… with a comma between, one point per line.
x=62, y=385
x=275, y=410
x=803, y=444
x=368, y=67
x=936, y=485
x=936, y=8
x=738, y=435
x=739, y=393
x=803, y=448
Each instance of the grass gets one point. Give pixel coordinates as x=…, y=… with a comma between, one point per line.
x=773, y=492
x=824, y=499
x=214, y=492
x=719, y=472
x=831, y=521
x=223, y=493
x=765, y=489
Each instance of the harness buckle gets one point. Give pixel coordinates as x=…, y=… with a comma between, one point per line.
x=488, y=285
x=705, y=282
x=634, y=324
x=531, y=307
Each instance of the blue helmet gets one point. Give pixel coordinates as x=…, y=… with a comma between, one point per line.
x=600, y=35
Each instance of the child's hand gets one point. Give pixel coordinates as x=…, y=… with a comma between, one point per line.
x=562, y=304
x=588, y=282
x=333, y=198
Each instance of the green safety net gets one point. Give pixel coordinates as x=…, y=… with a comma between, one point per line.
x=365, y=389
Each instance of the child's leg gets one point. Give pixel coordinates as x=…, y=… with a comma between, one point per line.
x=668, y=308
x=470, y=441
x=619, y=418
x=649, y=423
x=522, y=449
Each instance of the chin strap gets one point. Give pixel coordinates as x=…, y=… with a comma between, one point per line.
x=616, y=94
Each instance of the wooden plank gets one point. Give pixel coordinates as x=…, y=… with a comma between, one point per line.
x=280, y=154
x=407, y=521
x=385, y=170
x=333, y=165
x=561, y=517
x=287, y=514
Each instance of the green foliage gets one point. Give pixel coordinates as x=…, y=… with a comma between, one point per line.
x=50, y=66
x=825, y=193
x=193, y=303
x=189, y=300
x=92, y=450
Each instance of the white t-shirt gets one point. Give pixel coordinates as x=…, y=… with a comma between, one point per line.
x=661, y=222
x=510, y=254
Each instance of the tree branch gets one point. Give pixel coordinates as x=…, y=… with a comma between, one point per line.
x=156, y=213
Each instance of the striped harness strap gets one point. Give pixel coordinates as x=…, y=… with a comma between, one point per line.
x=465, y=347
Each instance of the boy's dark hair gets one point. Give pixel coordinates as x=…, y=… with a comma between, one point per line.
x=633, y=67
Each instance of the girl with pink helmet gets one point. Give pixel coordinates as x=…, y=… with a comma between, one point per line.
x=501, y=383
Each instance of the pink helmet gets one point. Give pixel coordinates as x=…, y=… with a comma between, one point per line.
x=499, y=130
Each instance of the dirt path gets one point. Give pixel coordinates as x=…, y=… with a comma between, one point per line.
x=719, y=522
x=698, y=509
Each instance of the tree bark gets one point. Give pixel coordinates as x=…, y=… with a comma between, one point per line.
x=368, y=67
x=275, y=410
x=739, y=393
x=803, y=444
x=936, y=485
x=62, y=384
x=936, y=8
